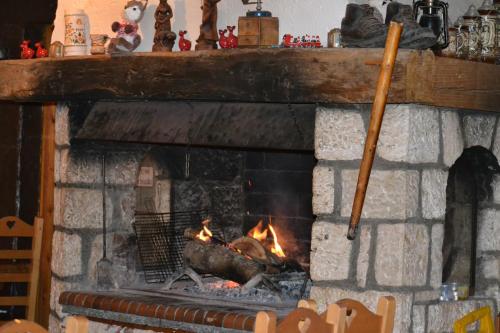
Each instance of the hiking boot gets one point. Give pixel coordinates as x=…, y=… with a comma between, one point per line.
x=361, y=28
x=414, y=36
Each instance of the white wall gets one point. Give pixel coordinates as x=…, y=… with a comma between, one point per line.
x=297, y=17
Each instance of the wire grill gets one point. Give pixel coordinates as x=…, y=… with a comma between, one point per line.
x=161, y=241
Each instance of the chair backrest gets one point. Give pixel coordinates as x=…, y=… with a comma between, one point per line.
x=13, y=227
x=361, y=320
x=22, y=326
x=304, y=319
x=483, y=315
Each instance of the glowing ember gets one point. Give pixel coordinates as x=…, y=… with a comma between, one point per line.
x=205, y=233
x=276, y=249
x=258, y=232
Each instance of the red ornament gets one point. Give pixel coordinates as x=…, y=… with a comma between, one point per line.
x=26, y=51
x=223, y=41
x=184, y=44
x=40, y=51
x=232, y=40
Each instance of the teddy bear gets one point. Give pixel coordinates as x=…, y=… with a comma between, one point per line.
x=127, y=37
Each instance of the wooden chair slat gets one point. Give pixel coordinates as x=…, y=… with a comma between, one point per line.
x=14, y=300
x=15, y=277
x=15, y=254
x=12, y=226
x=22, y=326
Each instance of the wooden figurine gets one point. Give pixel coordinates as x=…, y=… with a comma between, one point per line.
x=164, y=38
x=208, y=28
x=127, y=33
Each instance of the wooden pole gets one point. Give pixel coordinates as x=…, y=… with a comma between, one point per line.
x=46, y=211
x=378, y=109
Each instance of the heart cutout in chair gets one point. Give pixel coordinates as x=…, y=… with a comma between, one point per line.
x=304, y=325
x=10, y=224
x=350, y=317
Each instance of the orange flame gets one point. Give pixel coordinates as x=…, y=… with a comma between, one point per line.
x=205, y=233
x=276, y=249
x=258, y=233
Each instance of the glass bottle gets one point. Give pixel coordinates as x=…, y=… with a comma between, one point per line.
x=497, y=51
x=451, y=49
x=472, y=23
x=462, y=38
x=488, y=15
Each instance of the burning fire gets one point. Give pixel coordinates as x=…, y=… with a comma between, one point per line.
x=260, y=234
x=205, y=233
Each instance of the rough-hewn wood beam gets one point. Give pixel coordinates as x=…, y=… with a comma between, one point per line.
x=270, y=75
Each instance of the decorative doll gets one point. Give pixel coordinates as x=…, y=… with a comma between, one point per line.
x=127, y=36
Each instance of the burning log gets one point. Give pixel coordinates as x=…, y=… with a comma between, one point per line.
x=221, y=261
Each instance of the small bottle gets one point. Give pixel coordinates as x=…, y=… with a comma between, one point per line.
x=462, y=38
x=488, y=15
x=451, y=49
x=472, y=23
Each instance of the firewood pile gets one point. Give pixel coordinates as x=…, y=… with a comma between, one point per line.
x=249, y=260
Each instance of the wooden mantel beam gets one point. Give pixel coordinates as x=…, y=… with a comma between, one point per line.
x=267, y=75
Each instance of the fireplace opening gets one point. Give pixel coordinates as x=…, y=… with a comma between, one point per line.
x=257, y=203
x=468, y=193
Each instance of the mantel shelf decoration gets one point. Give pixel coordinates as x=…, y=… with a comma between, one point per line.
x=208, y=28
x=164, y=38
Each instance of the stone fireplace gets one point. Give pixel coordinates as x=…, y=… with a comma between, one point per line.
x=309, y=184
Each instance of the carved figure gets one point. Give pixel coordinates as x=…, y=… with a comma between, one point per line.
x=184, y=44
x=127, y=35
x=208, y=28
x=223, y=42
x=164, y=38
x=26, y=51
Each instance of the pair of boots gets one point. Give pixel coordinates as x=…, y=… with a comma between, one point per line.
x=362, y=28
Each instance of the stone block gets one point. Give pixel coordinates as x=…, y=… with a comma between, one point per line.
x=55, y=324
x=410, y=133
x=93, y=258
x=120, y=208
x=122, y=168
x=426, y=296
x=82, y=208
x=437, y=255
x=402, y=255
x=66, y=254
x=339, y=134
x=489, y=266
x=62, y=124
x=390, y=195
x=496, y=143
x=364, y=255
x=434, y=193
x=57, y=287
x=323, y=190
x=453, y=141
x=441, y=316
x=329, y=295
x=330, y=252
x=418, y=319
x=489, y=229
x=479, y=130
x=80, y=167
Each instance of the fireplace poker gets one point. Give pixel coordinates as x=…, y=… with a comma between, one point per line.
x=377, y=114
x=104, y=265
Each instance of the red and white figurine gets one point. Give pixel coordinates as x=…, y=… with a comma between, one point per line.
x=184, y=44
x=26, y=51
x=41, y=52
x=232, y=40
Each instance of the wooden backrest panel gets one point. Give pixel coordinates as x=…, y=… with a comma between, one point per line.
x=304, y=320
x=359, y=319
x=12, y=226
x=21, y=326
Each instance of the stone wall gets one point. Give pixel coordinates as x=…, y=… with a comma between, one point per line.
x=398, y=250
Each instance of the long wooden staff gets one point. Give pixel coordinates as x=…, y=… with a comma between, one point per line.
x=378, y=109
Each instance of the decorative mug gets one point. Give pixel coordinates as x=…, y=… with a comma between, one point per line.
x=98, y=42
x=77, y=32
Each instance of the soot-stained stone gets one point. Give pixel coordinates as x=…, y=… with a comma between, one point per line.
x=289, y=161
x=267, y=181
x=211, y=164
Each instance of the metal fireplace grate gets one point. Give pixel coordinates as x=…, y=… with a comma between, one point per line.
x=161, y=241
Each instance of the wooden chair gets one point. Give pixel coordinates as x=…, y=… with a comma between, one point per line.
x=74, y=324
x=483, y=315
x=15, y=272
x=304, y=319
x=361, y=320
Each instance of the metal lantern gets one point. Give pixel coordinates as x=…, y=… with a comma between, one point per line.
x=433, y=14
